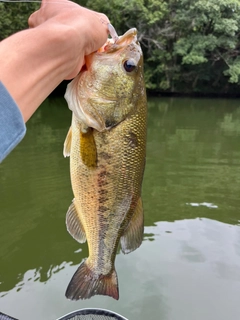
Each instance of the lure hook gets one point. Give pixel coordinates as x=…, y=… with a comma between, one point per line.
x=113, y=32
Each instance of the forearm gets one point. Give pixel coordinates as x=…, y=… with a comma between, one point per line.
x=34, y=62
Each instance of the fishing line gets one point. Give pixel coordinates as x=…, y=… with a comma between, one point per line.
x=38, y=1
x=29, y=1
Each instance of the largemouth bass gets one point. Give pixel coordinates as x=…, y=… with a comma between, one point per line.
x=107, y=145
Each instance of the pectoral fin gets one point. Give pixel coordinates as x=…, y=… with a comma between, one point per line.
x=74, y=224
x=133, y=235
x=88, y=150
x=67, y=143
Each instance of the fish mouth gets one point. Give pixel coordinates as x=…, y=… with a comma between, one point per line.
x=128, y=37
x=118, y=42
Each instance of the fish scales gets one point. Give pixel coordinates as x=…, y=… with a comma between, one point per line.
x=107, y=163
x=115, y=171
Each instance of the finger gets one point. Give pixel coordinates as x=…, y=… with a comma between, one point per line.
x=36, y=18
x=44, y=2
x=103, y=18
x=32, y=20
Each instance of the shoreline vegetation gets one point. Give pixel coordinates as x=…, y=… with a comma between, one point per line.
x=191, y=48
x=60, y=91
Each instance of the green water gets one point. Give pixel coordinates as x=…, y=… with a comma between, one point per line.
x=188, y=267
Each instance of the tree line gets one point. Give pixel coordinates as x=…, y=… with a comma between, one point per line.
x=189, y=46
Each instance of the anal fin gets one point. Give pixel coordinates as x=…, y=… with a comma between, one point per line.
x=133, y=235
x=74, y=224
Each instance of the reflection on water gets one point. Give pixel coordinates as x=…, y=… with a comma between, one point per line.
x=189, y=271
x=189, y=264
x=193, y=157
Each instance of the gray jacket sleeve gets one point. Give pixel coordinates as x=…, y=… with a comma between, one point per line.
x=12, y=126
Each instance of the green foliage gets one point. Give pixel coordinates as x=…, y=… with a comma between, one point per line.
x=233, y=71
x=14, y=17
x=206, y=39
x=189, y=46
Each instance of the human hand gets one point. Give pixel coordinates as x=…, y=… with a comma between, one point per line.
x=86, y=29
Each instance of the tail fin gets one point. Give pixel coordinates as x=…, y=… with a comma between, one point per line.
x=85, y=284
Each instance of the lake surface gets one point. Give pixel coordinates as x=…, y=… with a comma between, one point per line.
x=188, y=266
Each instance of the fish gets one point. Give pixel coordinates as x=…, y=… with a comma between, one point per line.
x=106, y=144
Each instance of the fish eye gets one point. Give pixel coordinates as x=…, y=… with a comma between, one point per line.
x=129, y=65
